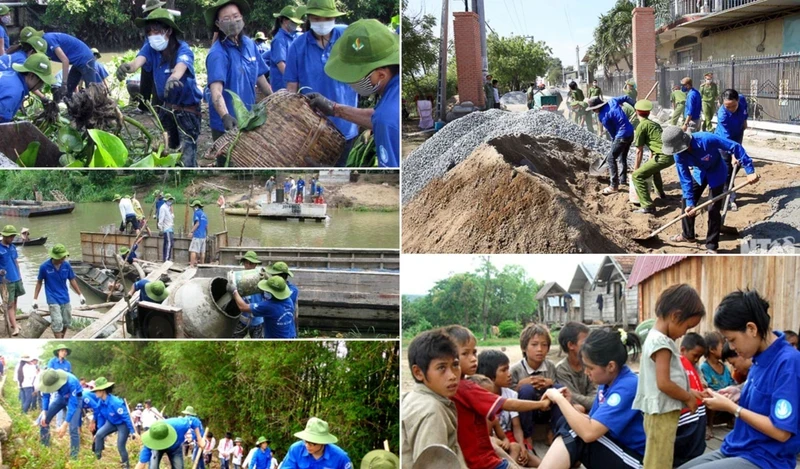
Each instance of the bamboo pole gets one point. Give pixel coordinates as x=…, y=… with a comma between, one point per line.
x=199, y=450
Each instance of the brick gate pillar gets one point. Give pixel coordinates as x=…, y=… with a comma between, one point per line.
x=644, y=51
x=466, y=29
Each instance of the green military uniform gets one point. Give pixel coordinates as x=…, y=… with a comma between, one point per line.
x=630, y=89
x=582, y=116
x=709, y=93
x=631, y=113
x=575, y=96
x=488, y=90
x=529, y=95
x=648, y=133
x=595, y=91
x=678, y=100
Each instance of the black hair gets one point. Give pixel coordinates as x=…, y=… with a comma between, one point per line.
x=789, y=333
x=460, y=335
x=604, y=346
x=569, y=333
x=489, y=361
x=494, y=82
x=23, y=46
x=713, y=339
x=429, y=346
x=210, y=435
x=228, y=434
x=573, y=85
x=277, y=27
x=110, y=389
x=741, y=307
x=680, y=298
x=481, y=380
x=170, y=54
x=728, y=352
x=730, y=95
x=693, y=340
x=530, y=331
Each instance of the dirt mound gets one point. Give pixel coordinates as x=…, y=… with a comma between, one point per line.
x=519, y=194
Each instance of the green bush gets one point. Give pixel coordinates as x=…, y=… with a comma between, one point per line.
x=509, y=328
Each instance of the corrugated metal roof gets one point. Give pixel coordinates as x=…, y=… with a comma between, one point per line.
x=583, y=273
x=646, y=266
x=546, y=290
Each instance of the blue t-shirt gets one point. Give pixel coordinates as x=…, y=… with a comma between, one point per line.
x=300, y=185
x=90, y=401
x=181, y=426
x=188, y=94
x=694, y=104
x=4, y=35
x=278, y=315
x=614, y=119
x=333, y=458
x=55, y=281
x=6, y=61
x=386, y=125
x=13, y=91
x=772, y=389
x=131, y=255
x=139, y=286
x=305, y=65
x=253, y=320
x=295, y=291
x=267, y=56
x=716, y=381
x=56, y=364
x=261, y=459
x=71, y=391
x=238, y=69
x=76, y=50
x=8, y=262
x=613, y=408
x=159, y=203
x=730, y=125
x=202, y=228
x=279, y=50
x=114, y=410
x=101, y=71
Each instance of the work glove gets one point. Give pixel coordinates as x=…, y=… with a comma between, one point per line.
x=35, y=305
x=321, y=103
x=231, y=288
x=123, y=70
x=2, y=272
x=83, y=300
x=229, y=122
x=172, y=84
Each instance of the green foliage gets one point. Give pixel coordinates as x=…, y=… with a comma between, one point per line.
x=28, y=157
x=516, y=60
x=248, y=120
x=363, y=154
x=420, y=52
x=109, y=151
x=509, y=328
x=555, y=73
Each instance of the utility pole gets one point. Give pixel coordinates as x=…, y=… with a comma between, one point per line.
x=578, y=62
x=441, y=96
x=477, y=6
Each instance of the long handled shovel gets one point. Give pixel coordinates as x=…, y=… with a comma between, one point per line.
x=730, y=186
x=199, y=451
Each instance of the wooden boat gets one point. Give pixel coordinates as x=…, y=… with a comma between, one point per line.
x=29, y=208
x=96, y=279
x=30, y=242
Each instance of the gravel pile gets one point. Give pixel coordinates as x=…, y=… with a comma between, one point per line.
x=457, y=140
x=781, y=231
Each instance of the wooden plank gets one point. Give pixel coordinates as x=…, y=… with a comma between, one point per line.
x=119, y=309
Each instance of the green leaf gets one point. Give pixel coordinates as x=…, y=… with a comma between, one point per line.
x=28, y=157
x=259, y=117
x=168, y=161
x=110, y=152
x=146, y=162
x=75, y=164
x=243, y=116
x=69, y=140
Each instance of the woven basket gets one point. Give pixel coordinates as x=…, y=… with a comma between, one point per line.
x=294, y=136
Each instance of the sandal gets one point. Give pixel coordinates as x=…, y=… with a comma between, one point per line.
x=609, y=190
x=679, y=238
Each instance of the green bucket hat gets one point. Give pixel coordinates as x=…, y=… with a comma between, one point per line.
x=275, y=286
x=196, y=203
x=61, y=346
x=631, y=82
x=290, y=12
x=364, y=46
x=211, y=12
x=116, y=198
x=9, y=230
x=52, y=380
x=28, y=32
x=159, y=15
x=39, y=65
x=151, y=5
x=260, y=36
x=4, y=10
x=316, y=431
x=380, y=459
x=644, y=105
x=250, y=256
x=101, y=384
x=160, y=436
x=237, y=440
x=124, y=251
x=38, y=43
x=323, y=8
x=156, y=290
x=262, y=439
x=189, y=410
x=279, y=268
x=168, y=197
x=59, y=251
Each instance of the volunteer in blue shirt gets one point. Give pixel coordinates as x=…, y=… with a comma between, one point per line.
x=112, y=416
x=154, y=292
x=248, y=323
x=174, y=77
x=18, y=53
x=261, y=42
x=59, y=360
x=99, y=68
x=283, y=35
x=5, y=20
x=24, y=78
x=55, y=273
x=619, y=128
x=262, y=457
x=77, y=60
x=159, y=202
x=613, y=434
x=199, y=232
x=129, y=255
x=10, y=275
x=316, y=450
x=766, y=432
x=700, y=165
x=305, y=65
x=367, y=58
x=301, y=186
x=68, y=392
x=281, y=269
x=162, y=439
x=275, y=306
x=731, y=124
x=694, y=106
x=233, y=64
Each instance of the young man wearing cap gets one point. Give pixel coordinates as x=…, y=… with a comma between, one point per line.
x=301, y=187
x=249, y=323
x=154, y=292
x=731, y=124
x=10, y=275
x=678, y=100
x=126, y=212
x=595, y=90
x=5, y=20
x=306, y=64
x=699, y=163
x=630, y=89
x=99, y=68
x=55, y=273
x=140, y=218
x=112, y=416
x=367, y=58
x=162, y=439
x=199, y=232
x=275, y=306
x=694, y=106
x=281, y=269
x=30, y=76
x=18, y=53
x=283, y=35
x=166, y=224
x=316, y=450
x=648, y=133
x=709, y=93
x=77, y=60
x=262, y=457
x=67, y=392
x=619, y=128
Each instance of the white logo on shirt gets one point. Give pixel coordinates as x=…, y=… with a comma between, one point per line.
x=783, y=409
x=613, y=400
x=382, y=152
x=184, y=58
x=119, y=411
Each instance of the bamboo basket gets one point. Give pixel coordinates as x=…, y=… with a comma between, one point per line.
x=294, y=136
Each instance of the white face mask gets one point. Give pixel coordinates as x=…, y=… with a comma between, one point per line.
x=6, y=19
x=158, y=42
x=364, y=87
x=323, y=28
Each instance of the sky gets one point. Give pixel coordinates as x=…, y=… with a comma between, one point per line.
x=562, y=24
x=422, y=271
x=15, y=347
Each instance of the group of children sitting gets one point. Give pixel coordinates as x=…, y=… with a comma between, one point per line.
x=591, y=406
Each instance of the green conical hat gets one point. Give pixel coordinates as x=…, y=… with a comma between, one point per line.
x=160, y=436
x=157, y=291
x=52, y=380
x=159, y=15
x=39, y=65
x=276, y=286
x=364, y=46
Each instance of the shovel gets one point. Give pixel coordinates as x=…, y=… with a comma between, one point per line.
x=730, y=186
x=723, y=229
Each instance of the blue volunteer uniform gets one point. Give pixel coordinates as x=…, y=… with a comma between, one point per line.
x=159, y=203
x=102, y=73
x=295, y=291
x=56, y=364
x=4, y=35
x=704, y=156
x=237, y=68
x=13, y=92
x=386, y=125
x=613, y=408
x=8, y=262
x=188, y=94
x=6, y=61
x=313, y=186
x=267, y=56
x=301, y=184
x=89, y=400
x=71, y=391
x=262, y=47
x=131, y=255
x=287, y=186
x=254, y=321
x=139, y=286
x=261, y=459
x=333, y=458
x=114, y=410
x=181, y=426
x=202, y=228
x=55, y=282
x=278, y=315
x=772, y=389
x=305, y=65
x=279, y=51
x=69, y=396
x=730, y=125
x=614, y=118
x=76, y=50
x=694, y=104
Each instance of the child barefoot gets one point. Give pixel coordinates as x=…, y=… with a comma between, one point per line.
x=663, y=388
x=532, y=376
